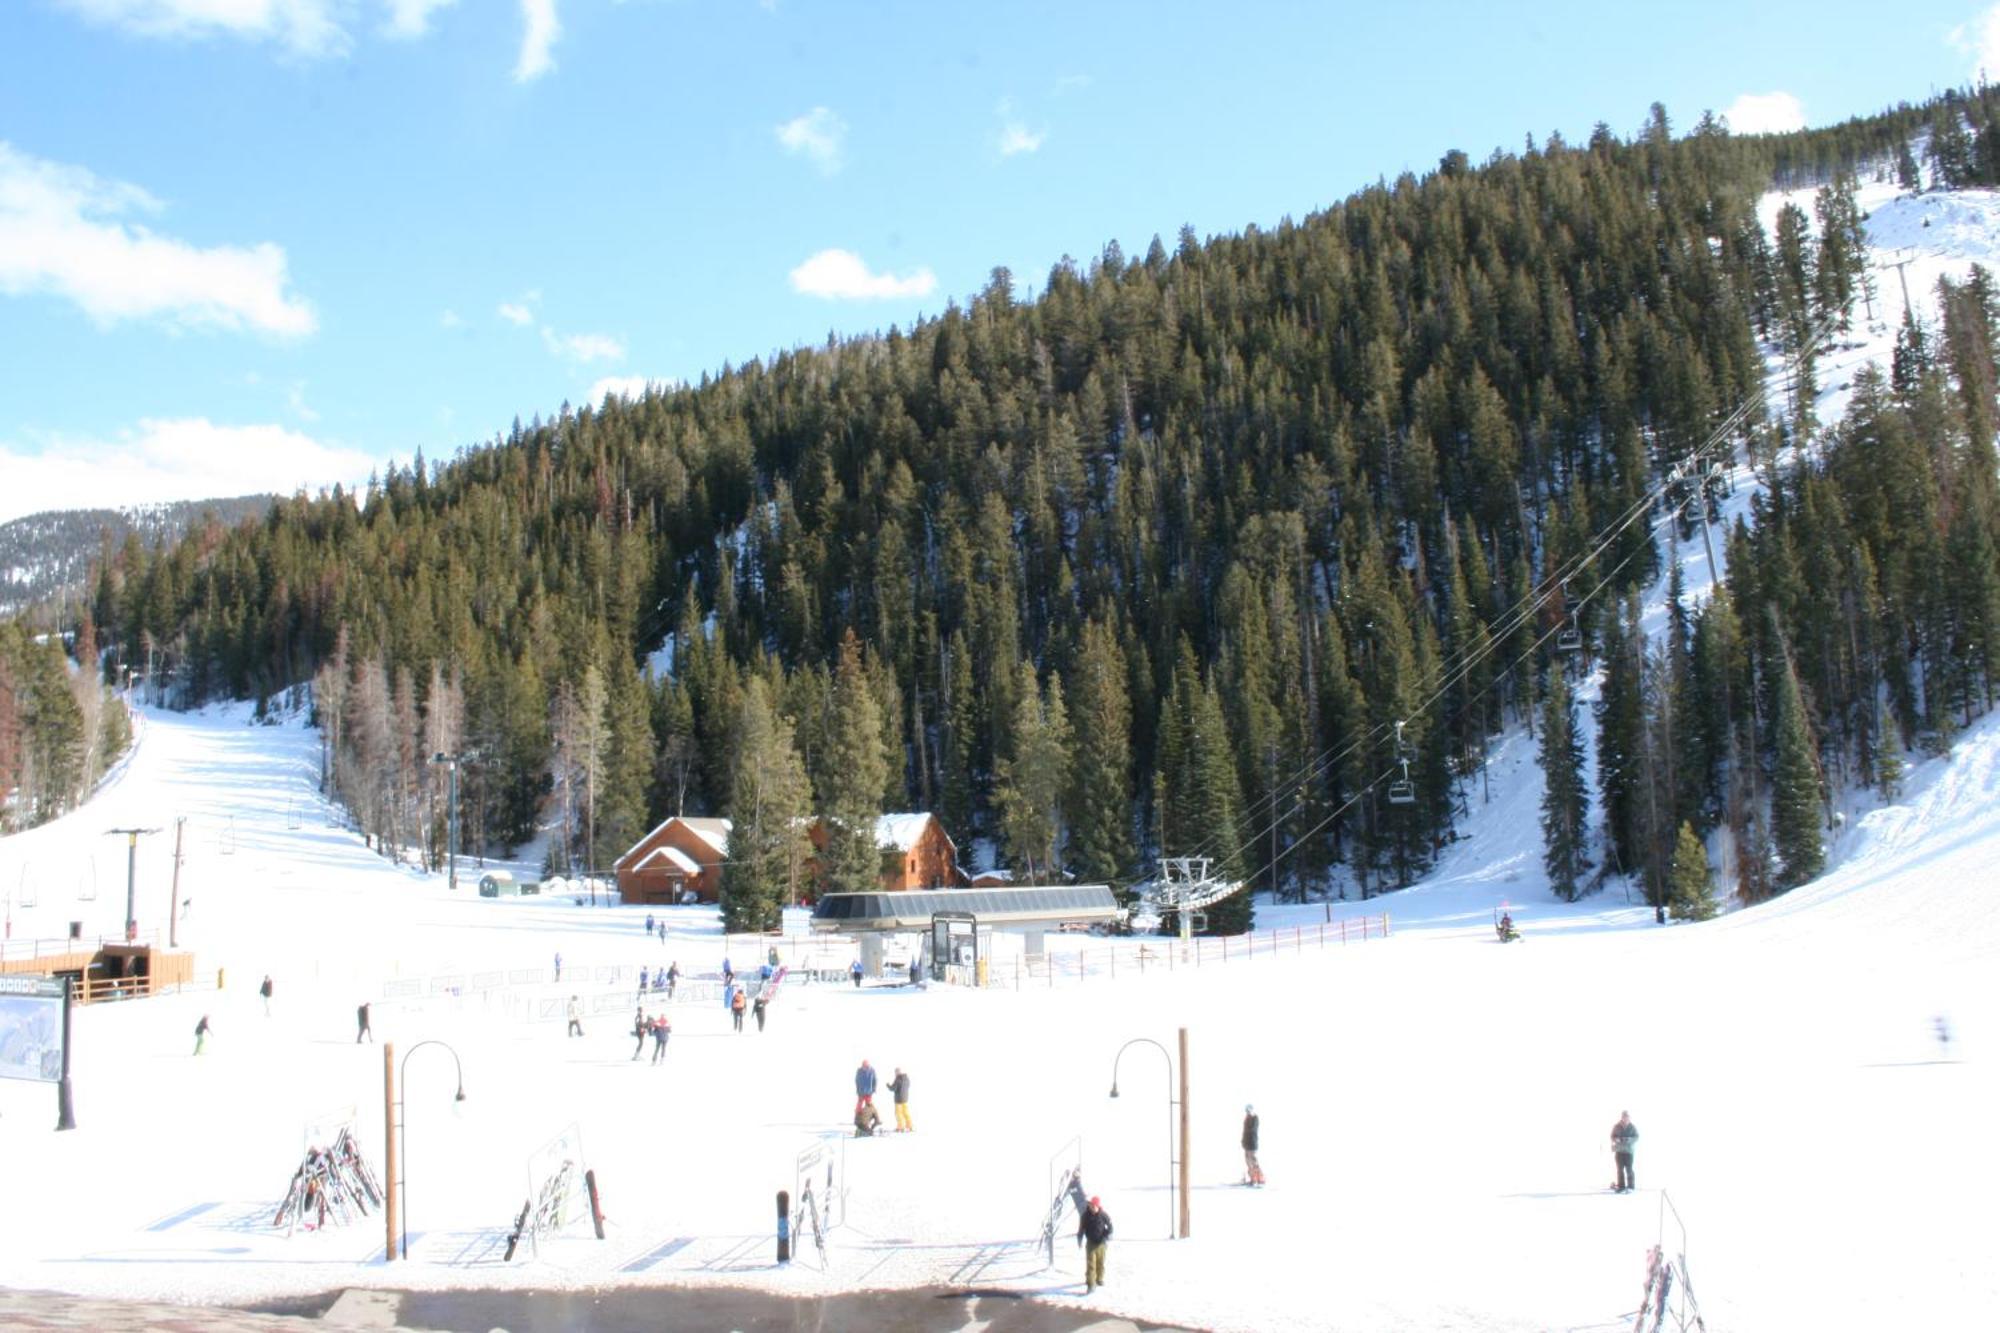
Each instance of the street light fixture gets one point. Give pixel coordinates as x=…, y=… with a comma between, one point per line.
x=1177, y=1165
x=449, y=762
x=400, y=1127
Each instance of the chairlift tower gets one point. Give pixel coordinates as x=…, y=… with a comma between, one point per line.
x=1185, y=886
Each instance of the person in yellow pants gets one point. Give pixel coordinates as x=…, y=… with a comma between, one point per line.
x=1093, y=1231
x=901, y=1087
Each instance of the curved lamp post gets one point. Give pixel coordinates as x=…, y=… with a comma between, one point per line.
x=1177, y=1165
x=399, y=1125
x=449, y=762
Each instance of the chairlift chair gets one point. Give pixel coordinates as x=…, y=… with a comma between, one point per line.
x=1402, y=791
x=1569, y=640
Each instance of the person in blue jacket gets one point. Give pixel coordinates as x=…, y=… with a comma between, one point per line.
x=864, y=1086
x=855, y=971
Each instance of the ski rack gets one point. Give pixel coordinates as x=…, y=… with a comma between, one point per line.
x=333, y=1183
x=1666, y=1280
x=1069, y=1189
x=555, y=1178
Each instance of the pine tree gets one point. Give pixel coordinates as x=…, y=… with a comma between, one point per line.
x=1100, y=799
x=852, y=773
x=768, y=808
x=1030, y=780
x=1565, y=804
x=1690, y=891
x=1796, y=792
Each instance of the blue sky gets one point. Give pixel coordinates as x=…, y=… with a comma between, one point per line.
x=265, y=244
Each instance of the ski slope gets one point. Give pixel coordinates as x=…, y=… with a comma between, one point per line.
x=1436, y=1106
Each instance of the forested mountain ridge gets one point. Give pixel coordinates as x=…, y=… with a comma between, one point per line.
x=49, y=557
x=1156, y=560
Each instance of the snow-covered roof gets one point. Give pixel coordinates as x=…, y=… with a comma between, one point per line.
x=901, y=831
x=672, y=856
x=714, y=832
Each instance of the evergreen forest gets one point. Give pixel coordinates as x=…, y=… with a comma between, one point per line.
x=1243, y=547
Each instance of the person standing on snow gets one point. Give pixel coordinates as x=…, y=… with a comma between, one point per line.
x=737, y=1004
x=265, y=991
x=1251, y=1125
x=361, y=1028
x=673, y=978
x=662, y=1029
x=649, y=923
x=639, y=1029
x=900, y=1085
x=864, y=1086
x=558, y=965
x=1623, y=1135
x=758, y=1009
x=854, y=971
x=200, y=1033
x=1093, y=1232
x=575, y=1012
x=642, y=979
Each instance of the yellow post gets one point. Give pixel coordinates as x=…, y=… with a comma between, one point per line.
x=390, y=1158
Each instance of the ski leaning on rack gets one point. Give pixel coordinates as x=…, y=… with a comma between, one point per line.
x=520, y=1228
x=331, y=1184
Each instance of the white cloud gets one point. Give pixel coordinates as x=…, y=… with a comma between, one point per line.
x=305, y=27
x=62, y=232
x=629, y=387
x=818, y=135
x=296, y=399
x=839, y=275
x=1980, y=39
x=188, y=458
x=1018, y=138
x=412, y=18
x=1765, y=113
x=451, y=319
x=516, y=314
x=583, y=347
x=540, y=30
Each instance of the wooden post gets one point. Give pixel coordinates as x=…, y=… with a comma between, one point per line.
x=1184, y=1134
x=391, y=1160
x=174, y=901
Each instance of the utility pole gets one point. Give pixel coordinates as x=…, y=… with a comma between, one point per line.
x=174, y=902
x=132, y=836
x=1186, y=1138
x=391, y=1159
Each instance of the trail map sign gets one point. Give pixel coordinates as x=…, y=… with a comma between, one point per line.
x=31, y=1028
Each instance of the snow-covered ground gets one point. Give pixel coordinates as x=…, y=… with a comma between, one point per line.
x=1435, y=1106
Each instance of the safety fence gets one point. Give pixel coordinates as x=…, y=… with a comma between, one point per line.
x=1155, y=955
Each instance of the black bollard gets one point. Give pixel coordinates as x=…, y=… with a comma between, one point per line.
x=784, y=1226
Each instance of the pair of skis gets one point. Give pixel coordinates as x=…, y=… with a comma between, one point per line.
x=546, y=1212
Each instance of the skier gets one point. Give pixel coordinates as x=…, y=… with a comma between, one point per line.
x=642, y=979
x=575, y=1012
x=1623, y=1135
x=900, y=1085
x=758, y=1009
x=737, y=1004
x=663, y=1028
x=200, y=1033
x=361, y=1028
x=867, y=1120
x=639, y=1029
x=649, y=923
x=265, y=991
x=854, y=970
x=864, y=1086
x=1093, y=1232
x=1251, y=1125
x=673, y=978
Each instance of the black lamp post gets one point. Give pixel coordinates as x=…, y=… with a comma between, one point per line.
x=403, y=1127
x=449, y=762
x=1177, y=1164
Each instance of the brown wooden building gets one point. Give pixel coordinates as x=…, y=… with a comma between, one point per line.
x=916, y=853
x=683, y=855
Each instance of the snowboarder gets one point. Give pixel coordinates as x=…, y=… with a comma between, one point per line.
x=900, y=1085
x=738, y=1002
x=1093, y=1232
x=867, y=1120
x=200, y=1033
x=639, y=1029
x=854, y=970
x=758, y=1009
x=265, y=991
x=1254, y=1174
x=864, y=1086
x=663, y=1028
x=673, y=978
x=1623, y=1135
x=361, y=1028
x=575, y=1011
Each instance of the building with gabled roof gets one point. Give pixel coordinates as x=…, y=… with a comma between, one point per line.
x=683, y=855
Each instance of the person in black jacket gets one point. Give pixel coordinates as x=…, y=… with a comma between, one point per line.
x=1093, y=1232
x=1253, y=1173
x=900, y=1086
x=1623, y=1135
x=361, y=1028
